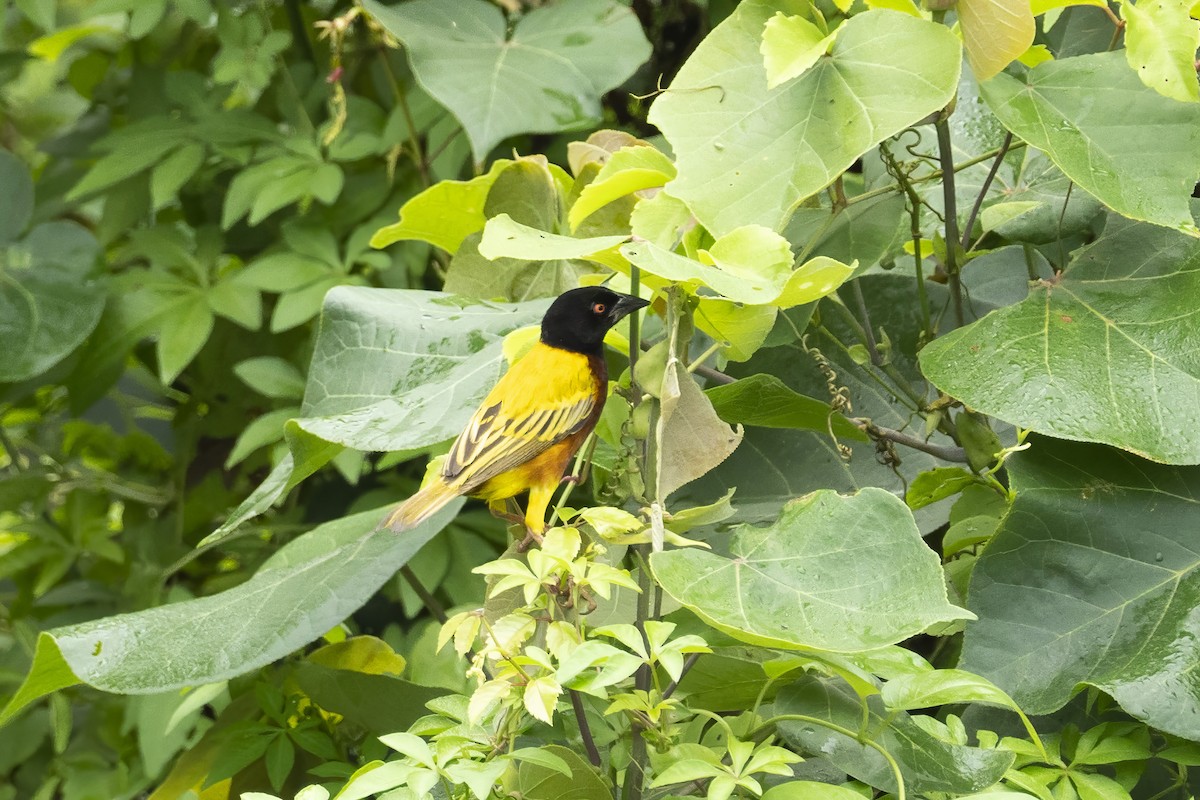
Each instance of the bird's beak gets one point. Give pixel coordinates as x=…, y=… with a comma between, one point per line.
x=625, y=306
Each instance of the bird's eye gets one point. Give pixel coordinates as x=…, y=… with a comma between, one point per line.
x=599, y=308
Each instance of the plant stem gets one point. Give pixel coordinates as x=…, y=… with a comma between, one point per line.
x=635, y=773
x=944, y=452
x=688, y=663
x=833, y=726
x=987, y=184
x=414, y=141
x=635, y=332
x=585, y=731
x=946, y=156
x=933, y=176
x=299, y=32
x=1030, y=261
x=714, y=375
x=868, y=334
x=428, y=599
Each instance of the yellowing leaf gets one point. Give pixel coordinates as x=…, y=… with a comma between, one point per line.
x=541, y=695
x=903, y=6
x=790, y=45
x=1036, y=55
x=813, y=280
x=1160, y=44
x=444, y=214
x=629, y=170
x=995, y=33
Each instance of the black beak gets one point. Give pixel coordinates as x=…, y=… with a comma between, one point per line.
x=625, y=306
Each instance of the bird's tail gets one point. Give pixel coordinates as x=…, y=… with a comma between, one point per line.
x=420, y=507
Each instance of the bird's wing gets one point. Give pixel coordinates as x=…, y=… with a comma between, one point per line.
x=529, y=411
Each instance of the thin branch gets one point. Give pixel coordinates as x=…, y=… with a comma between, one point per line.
x=868, y=334
x=688, y=663
x=944, y=452
x=987, y=184
x=299, y=31
x=933, y=176
x=946, y=156
x=714, y=375
x=585, y=731
x=429, y=600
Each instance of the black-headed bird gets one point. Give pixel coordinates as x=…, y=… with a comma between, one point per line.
x=526, y=431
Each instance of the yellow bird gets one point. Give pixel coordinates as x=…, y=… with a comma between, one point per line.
x=529, y=427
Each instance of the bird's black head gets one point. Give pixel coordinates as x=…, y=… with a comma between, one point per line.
x=578, y=319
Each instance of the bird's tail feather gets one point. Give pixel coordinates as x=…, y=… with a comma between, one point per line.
x=420, y=507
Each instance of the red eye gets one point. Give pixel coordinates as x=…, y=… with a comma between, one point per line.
x=599, y=308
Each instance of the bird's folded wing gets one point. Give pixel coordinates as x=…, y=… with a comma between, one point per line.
x=500, y=437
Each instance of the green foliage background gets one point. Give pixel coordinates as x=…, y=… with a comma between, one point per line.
x=260, y=260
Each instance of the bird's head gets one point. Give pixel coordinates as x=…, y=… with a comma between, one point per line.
x=577, y=320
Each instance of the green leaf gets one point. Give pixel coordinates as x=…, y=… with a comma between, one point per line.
x=995, y=33
x=182, y=335
x=927, y=762
x=279, y=758
x=750, y=264
x=536, y=781
x=543, y=74
x=809, y=790
x=304, y=589
x=765, y=401
x=1161, y=40
x=1133, y=149
x=444, y=214
x=403, y=370
x=749, y=154
x=937, y=484
x=790, y=46
x=504, y=237
x=379, y=703
x=48, y=673
x=49, y=298
x=16, y=202
x=1115, y=606
x=271, y=376
x=169, y=175
x=1099, y=354
x=854, y=569
x=942, y=687
x=630, y=169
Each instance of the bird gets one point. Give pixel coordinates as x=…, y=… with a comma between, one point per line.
x=526, y=431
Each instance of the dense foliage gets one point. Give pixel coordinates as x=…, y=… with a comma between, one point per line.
x=895, y=494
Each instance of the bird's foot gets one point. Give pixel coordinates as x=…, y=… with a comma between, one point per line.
x=531, y=536
x=570, y=479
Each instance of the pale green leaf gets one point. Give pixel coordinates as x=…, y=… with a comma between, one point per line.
x=299, y=593
x=544, y=75
x=748, y=154
x=1099, y=354
x=853, y=569
x=1117, y=610
x=626, y=171
x=790, y=46
x=1161, y=40
x=504, y=237
x=445, y=213
x=1130, y=147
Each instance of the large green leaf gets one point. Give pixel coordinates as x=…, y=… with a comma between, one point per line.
x=841, y=573
x=928, y=763
x=1103, y=353
x=50, y=298
x=1093, y=578
x=395, y=370
x=1135, y=150
x=307, y=587
x=749, y=154
x=402, y=370
x=544, y=75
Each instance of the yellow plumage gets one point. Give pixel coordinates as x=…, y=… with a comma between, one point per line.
x=521, y=438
